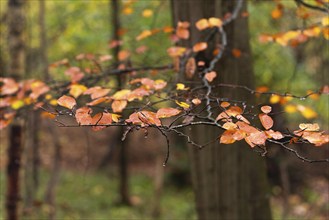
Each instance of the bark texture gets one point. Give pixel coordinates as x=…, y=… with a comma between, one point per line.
x=229, y=180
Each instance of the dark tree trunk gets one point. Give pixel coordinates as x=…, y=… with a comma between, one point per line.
x=123, y=163
x=16, y=69
x=229, y=180
x=13, y=167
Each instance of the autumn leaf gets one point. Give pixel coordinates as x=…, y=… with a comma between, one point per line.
x=67, y=102
x=9, y=86
x=181, y=86
x=266, y=121
x=176, y=51
x=276, y=135
x=266, y=109
x=76, y=90
x=210, y=76
x=184, y=105
x=190, y=68
x=83, y=116
x=144, y=34
x=200, y=47
x=96, y=92
x=167, y=112
x=196, y=101
x=118, y=105
x=236, y=53
x=202, y=24
x=227, y=137
x=256, y=138
x=147, y=13
x=309, y=127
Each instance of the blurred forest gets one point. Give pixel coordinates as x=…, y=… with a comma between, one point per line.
x=76, y=173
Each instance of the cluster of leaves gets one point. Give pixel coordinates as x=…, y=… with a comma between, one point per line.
x=147, y=103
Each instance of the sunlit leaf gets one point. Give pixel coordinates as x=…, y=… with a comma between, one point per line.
x=181, y=86
x=266, y=109
x=76, y=90
x=266, y=121
x=83, y=116
x=210, y=76
x=184, y=105
x=147, y=13
x=309, y=127
x=307, y=112
x=167, y=112
x=200, y=46
x=9, y=86
x=118, y=105
x=196, y=101
x=67, y=102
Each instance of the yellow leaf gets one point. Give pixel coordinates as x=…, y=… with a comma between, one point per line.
x=290, y=108
x=275, y=99
x=76, y=90
x=183, y=104
x=144, y=34
x=325, y=21
x=127, y=11
x=17, y=104
x=147, y=13
x=307, y=112
x=181, y=86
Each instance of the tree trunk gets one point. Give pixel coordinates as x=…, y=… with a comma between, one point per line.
x=123, y=163
x=229, y=180
x=16, y=69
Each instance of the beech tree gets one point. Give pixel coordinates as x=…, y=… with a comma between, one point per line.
x=211, y=102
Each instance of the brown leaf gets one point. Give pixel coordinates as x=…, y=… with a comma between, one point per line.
x=190, y=68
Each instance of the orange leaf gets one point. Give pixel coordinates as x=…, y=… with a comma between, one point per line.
x=266, y=121
x=309, y=127
x=9, y=86
x=167, y=112
x=67, y=102
x=215, y=22
x=83, y=117
x=200, y=46
x=196, y=101
x=210, y=76
x=227, y=137
x=276, y=135
x=202, y=24
x=256, y=138
x=266, y=109
x=123, y=55
x=96, y=92
x=236, y=53
x=119, y=105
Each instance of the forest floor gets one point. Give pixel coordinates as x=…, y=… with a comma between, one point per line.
x=87, y=192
